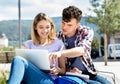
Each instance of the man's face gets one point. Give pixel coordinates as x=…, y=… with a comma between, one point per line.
x=69, y=28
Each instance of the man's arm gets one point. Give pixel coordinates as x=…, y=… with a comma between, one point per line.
x=82, y=46
x=73, y=52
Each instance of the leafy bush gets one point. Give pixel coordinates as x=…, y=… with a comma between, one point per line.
x=6, y=49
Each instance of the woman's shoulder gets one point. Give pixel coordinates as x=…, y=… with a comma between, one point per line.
x=57, y=40
x=28, y=43
x=58, y=44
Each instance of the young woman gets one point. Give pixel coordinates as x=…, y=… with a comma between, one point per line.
x=42, y=37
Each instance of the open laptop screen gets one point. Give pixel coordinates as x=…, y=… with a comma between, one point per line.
x=38, y=57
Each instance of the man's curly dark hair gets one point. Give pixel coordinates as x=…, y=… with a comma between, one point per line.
x=71, y=12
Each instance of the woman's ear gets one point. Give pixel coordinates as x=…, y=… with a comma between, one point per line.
x=35, y=28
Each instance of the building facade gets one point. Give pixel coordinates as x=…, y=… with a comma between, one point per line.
x=3, y=40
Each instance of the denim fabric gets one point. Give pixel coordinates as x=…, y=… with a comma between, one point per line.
x=69, y=80
x=99, y=80
x=22, y=71
x=76, y=79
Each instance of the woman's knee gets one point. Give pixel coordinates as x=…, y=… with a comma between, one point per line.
x=20, y=59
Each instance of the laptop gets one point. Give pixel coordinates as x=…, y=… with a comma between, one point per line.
x=38, y=57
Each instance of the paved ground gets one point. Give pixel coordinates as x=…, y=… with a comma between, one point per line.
x=113, y=68
x=101, y=59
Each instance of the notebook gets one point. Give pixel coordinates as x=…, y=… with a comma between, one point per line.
x=38, y=57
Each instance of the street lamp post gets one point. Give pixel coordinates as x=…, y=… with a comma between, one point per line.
x=19, y=22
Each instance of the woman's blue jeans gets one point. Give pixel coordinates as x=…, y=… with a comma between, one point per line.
x=24, y=72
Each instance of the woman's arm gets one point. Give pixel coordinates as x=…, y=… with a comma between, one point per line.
x=61, y=67
x=61, y=62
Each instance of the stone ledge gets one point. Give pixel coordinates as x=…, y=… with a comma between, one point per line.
x=6, y=56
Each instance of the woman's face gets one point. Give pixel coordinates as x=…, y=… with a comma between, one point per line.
x=43, y=28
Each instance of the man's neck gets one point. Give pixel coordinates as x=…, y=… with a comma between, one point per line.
x=71, y=35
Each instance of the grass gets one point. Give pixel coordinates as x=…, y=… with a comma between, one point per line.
x=3, y=77
x=4, y=74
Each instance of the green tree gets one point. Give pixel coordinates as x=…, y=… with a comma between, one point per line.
x=107, y=19
x=95, y=43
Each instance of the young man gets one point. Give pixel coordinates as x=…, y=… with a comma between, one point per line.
x=77, y=40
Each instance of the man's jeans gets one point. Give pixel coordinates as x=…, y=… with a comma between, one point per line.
x=23, y=71
x=99, y=80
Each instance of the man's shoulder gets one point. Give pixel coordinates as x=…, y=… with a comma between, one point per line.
x=84, y=27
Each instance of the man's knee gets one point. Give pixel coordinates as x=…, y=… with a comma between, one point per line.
x=93, y=82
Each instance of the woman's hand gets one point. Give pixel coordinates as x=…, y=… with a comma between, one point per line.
x=54, y=70
x=54, y=56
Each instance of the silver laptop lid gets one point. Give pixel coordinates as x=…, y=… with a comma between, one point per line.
x=38, y=57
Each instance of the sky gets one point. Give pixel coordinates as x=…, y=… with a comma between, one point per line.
x=29, y=8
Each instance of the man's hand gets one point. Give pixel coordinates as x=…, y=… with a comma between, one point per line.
x=76, y=70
